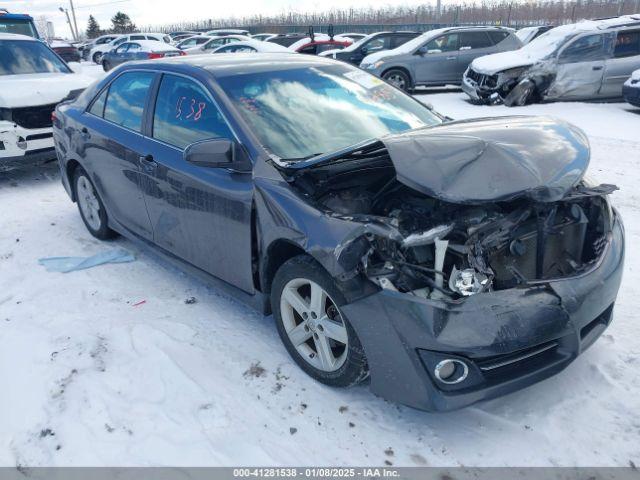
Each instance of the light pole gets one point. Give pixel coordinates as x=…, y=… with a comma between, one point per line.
x=66, y=12
x=75, y=23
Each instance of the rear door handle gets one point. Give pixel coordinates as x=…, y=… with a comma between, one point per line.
x=148, y=161
x=597, y=68
x=451, y=58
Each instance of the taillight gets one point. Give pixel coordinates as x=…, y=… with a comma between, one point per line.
x=156, y=55
x=182, y=53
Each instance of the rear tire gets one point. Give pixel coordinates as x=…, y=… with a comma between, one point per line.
x=90, y=205
x=398, y=78
x=320, y=339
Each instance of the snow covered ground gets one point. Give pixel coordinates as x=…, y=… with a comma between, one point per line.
x=92, y=376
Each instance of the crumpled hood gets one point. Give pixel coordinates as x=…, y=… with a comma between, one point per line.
x=498, y=62
x=39, y=89
x=491, y=159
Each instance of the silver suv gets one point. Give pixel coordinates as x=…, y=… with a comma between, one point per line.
x=586, y=60
x=438, y=57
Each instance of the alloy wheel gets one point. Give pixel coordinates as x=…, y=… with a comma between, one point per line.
x=397, y=80
x=314, y=324
x=88, y=202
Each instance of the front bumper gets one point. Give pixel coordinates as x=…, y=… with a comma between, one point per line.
x=482, y=91
x=631, y=94
x=20, y=146
x=510, y=339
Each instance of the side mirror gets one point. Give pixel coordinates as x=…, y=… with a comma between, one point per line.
x=218, y=153
x=364, y=51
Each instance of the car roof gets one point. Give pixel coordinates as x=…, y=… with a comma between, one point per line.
x=152, y=45
x=17, y=36
x=228, y=65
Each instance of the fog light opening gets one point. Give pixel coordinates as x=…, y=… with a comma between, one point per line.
x=451, y=371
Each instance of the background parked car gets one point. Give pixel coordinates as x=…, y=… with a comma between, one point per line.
x=527, y=34
x=286, y=39
x=192, y=42
x=262, y=36
x=175, y=35
x=631, y=89
x=376, y=42
x=438, y=57
x=33, y=80
x=586, y=60
x=227, y=31
x=17, y=23
x=214, y=43
x=139, y=50
x=252, y=46
x=99, y=50
x=85, y=48
x=316, y=43
x=67, y=52
x=354, y=36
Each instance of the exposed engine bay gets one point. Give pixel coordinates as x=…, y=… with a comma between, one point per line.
x=418, y=243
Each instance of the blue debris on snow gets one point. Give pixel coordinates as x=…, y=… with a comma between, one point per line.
x=71, y=264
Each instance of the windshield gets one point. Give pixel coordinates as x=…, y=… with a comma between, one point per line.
x=303, y=112
x=22, y=27
x=19, y=57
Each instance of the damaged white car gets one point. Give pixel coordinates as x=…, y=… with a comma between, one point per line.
x=33, y=80
x=582, y=61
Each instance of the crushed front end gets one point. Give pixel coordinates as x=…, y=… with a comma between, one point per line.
x=496, y=262
x=25, y=135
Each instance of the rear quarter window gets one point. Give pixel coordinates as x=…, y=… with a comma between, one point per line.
x=627, y=44
x=497, y=37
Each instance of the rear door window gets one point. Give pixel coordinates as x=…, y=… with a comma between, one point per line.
x=185, y=113
x=474, y=40
x=126, y=99
x=627, y=44
x=138, y=37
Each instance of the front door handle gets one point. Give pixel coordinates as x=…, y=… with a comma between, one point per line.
x=597, y=68
x=451, y=58
x=148, y=161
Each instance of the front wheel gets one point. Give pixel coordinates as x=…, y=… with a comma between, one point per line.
x=306, y=305
x=91, y=207
x=398, y=79
x=106, y=66
x=97, y=57
x=521, y=94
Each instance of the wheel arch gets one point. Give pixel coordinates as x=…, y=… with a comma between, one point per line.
x=402, y=69
x=277, y=253
x=70, y=169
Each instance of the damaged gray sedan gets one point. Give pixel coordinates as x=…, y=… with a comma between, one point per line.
x=442, y=262
x=589, y=60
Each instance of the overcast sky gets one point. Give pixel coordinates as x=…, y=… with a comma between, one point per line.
x=155, y=12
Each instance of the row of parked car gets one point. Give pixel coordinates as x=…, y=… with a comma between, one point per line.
x=586, y=60
x=590, y=59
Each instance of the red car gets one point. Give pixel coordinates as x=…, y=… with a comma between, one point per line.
x=316, y=47
x=65, y=50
